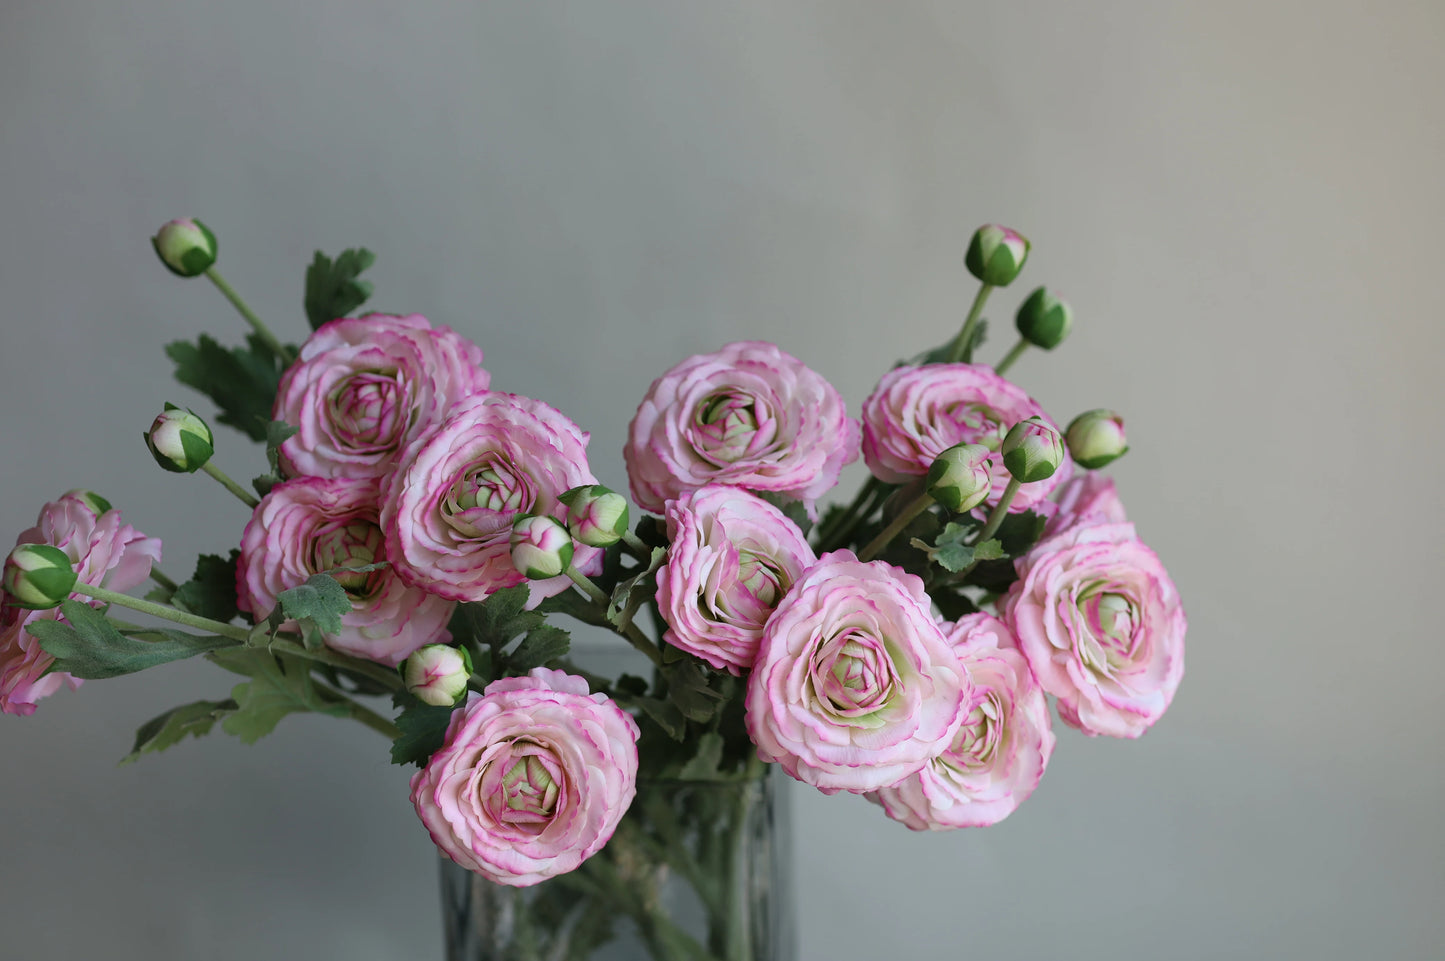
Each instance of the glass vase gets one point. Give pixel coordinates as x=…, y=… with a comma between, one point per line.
x=697, y=871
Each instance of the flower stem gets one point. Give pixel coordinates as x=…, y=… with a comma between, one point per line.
x=361, y=712
x=243, y=495
x=245, y=311
x=160, y=578
x=873, y=493
x=914, y=507
x=960, y=346
x=628, y=630
x=1014, y=354
x=635, y=545
x=990, y=526
x=325, y=655
x=163, y=611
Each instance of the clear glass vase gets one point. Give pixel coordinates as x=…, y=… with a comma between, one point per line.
x=697, y=871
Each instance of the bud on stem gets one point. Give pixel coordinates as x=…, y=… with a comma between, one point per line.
x=38, y=576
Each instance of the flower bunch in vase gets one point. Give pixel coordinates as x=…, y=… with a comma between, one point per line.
x=418, y=542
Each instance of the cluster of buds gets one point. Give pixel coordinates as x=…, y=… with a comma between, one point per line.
x=542, y=546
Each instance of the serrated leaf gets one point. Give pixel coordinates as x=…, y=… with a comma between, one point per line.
x=90, y=647
x=665, y=714
x=279, y=686
x=704, y=764
x=242, y=381
x=574, y=605
x=321, y=600
x=423, y=729
x=541, y=644
x=166, y=730
x=211, y=591
x=498, y=620
x=1019, y=532
x=989, y=550
x=687, y=687
x=333, y=288
x=632, y=593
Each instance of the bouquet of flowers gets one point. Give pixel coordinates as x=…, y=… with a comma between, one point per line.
x=417, y=536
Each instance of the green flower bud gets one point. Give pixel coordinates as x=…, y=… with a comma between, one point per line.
x=437, y=674
x=596, y=516
x=180, y=441
x=38, y=576
x=1032, y=450
x=541, y=546
x=959, y=477
x=1043, y=319
x=1095, y=438
x=996, y=254
x=186, y=246
x=99, y=505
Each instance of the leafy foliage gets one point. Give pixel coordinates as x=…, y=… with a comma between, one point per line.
x=277, y=433
x=211, y=591
x=166, y=730
x=333, y=287
x=316, y=606
x=488, y=628
x=423, y=728
x=90, y=647
x=279, y=686
x=242, y=381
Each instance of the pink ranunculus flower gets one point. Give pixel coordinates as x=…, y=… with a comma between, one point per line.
x=365, y=387
x=1089, y=498
x=448, y=508
x=916, y=413
x=532, y=780
x=999, y=753
x=854, y=687
x=748, y=415
x=106, y=552
x=731, y=558
x=1102, y=627
x=310, y=525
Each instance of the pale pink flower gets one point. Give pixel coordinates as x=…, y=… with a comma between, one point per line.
x=1089, y=498
x=916, y=413
x=448, y=508
x=731, y=558
x=311, y=525
x=365, y=387
x=748, y=415
x=999, y=753
x=1100, y=622
x=106, y=553
x=854, y=687
x=532, y=779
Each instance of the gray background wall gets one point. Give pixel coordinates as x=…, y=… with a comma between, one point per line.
x=1241, y=199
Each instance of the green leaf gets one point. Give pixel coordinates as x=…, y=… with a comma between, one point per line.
x=575, y=606
x=332, y=287
x=541, y=645
x=317, y=606
x=172, y=727
x=277, y=433
x=1019, y=532
x=279, y=686
x=498, y=620
x=687, y=688
x=939, y=354
x=423, y=729
x=665, y=714
x=953, y=605
x=90, y=647
x=241, y=380
x=211, y=591
x=989, y=550
x=632, y=593
x=704, y=764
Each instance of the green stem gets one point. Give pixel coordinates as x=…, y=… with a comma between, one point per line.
x=245, y=311
x=628, y=630
x=325, y=655
x=914, y=507
x=995, y=518
x=960, y=345
x=243, y=495
x=1015, y=352
x=163, y=611
x=160, y=578
x=361, y=712
x=635, y=545
x=875, y=492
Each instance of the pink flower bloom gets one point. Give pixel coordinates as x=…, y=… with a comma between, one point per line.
x=365, y=387
x=854, y=687
x=1090, y=498
x=1101, y=624
x=998, y=755
x=731, y=558
x=106, y=553
x=532, y=779
x=748, y=415
x=916, y=413
x=449, y=507
x=314, y=524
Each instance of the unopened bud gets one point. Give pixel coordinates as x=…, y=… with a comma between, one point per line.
x=1095, y=438
x=596, y=516
x=1032, y=450
x=1043, y=319
x=996, y=254
x=959, y=477
x=541, y=546
x=180, y=441
x=186, y=246
x=437, y=674
x=38, y=576
x=94, y=502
